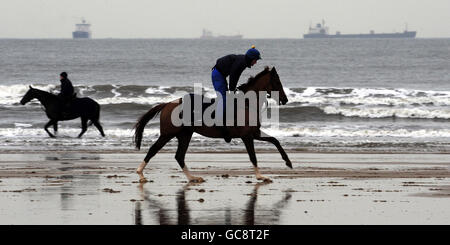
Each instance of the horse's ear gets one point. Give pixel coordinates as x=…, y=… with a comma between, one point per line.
x=274, y=70
x=31, y=87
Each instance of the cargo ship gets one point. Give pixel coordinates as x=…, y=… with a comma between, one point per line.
x=209, y=35
x=82, y=30
x=321, y=31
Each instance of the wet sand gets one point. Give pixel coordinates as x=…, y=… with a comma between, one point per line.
x=323, y=188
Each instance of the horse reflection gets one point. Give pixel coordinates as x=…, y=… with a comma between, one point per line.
x=250, y=217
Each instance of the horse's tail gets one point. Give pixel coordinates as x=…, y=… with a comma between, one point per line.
x=140, y=125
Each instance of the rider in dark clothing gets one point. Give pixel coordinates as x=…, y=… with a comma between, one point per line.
x=231, y=65
x=66, y=87
x=67, y=92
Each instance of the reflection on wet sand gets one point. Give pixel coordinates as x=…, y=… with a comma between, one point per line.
x=182, y=207
x=68, y=185
x=78, y=189
x=247, y=216
x=137, y=214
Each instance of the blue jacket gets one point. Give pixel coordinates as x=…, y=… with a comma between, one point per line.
x=232, y=65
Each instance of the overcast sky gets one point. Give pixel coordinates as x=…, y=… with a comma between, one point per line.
x=251, y=18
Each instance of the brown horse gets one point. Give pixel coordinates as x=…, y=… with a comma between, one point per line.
x=267, y=80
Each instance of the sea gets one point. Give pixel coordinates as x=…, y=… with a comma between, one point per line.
x=352, y=95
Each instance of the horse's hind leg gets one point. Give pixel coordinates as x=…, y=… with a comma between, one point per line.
x=83, y=126
x=249, y=144
x=162, y=140
x=183, y=143
x=274, y=141
x=48, y=125
x=99, y=127
x=55, y=127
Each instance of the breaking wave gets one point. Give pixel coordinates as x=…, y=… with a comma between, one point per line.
x=321, y=102
x=25, y=130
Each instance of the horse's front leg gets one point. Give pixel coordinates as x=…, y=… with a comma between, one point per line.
x=249, y=144
x=265, y=137
x=48, y=125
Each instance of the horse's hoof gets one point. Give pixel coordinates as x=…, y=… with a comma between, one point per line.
x=267, y=180
x=197, y=180
x=289, y=164
x=143, y=180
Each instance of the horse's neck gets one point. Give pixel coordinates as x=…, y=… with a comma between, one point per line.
x=256, y=87
x=45, y=97
x=259, y=85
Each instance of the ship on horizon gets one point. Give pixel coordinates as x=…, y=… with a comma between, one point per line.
x=82, y=30
x=321, y=31
x=206, y=34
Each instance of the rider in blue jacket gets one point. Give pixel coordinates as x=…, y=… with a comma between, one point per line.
x=230, y=65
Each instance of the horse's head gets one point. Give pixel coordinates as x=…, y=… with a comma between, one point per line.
x=267, y=80
x=31, y=94
x=275, y=85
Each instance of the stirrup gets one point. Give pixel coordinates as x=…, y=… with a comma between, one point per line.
x=226, y=134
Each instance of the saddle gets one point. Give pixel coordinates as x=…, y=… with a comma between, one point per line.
x=66, y=99
x=205, y=105
x=193, y=99
x=66, y=104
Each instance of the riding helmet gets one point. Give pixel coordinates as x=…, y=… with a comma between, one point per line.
x=253, y=54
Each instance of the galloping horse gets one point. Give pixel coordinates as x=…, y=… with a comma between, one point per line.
x=86, y=108
x=267, y=80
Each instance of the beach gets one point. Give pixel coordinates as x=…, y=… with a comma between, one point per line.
x=323, y=188
x=366, y=127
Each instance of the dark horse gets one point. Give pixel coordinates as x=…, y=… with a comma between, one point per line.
x=85, y=108
x=267, y=80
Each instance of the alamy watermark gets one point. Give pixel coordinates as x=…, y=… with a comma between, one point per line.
x=241, y=109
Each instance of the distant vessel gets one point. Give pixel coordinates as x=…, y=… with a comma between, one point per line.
x=209, y=35
x=82, y=30
x=321, y=31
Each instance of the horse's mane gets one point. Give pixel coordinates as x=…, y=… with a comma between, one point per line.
x=40, y=90
x=252, y=80
x=45, y=92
